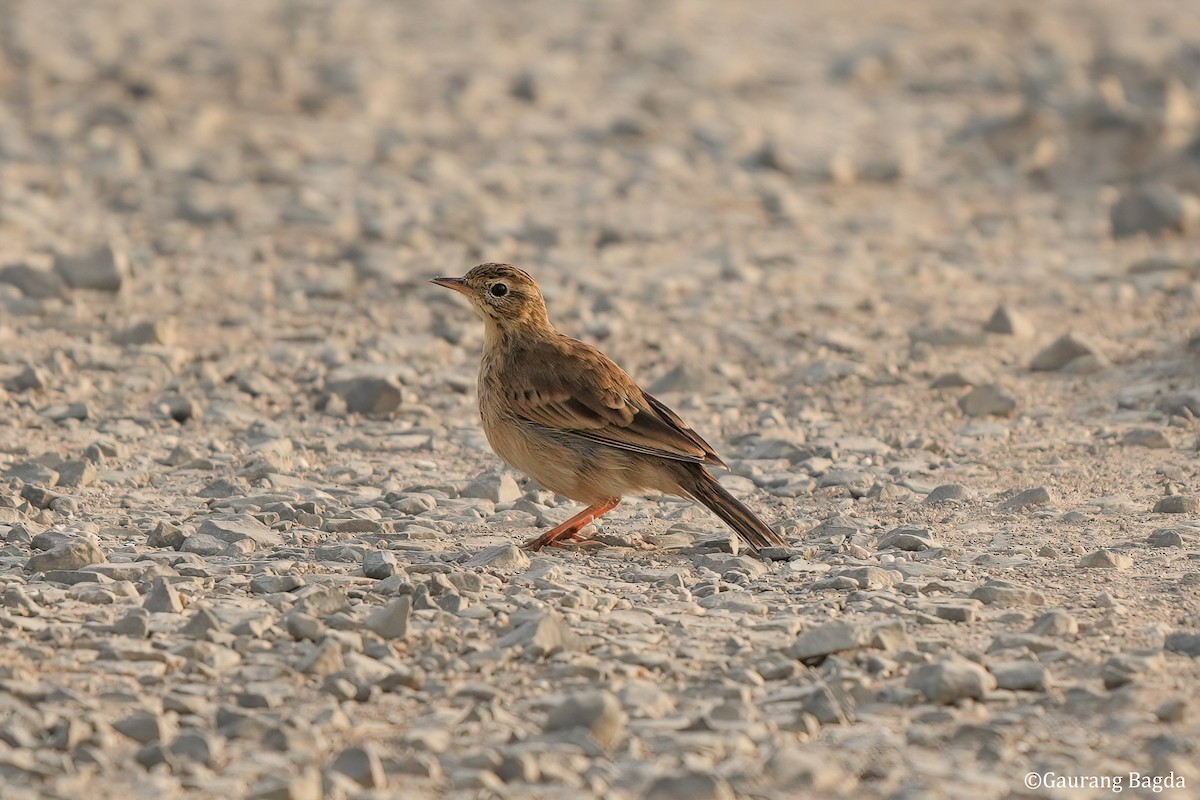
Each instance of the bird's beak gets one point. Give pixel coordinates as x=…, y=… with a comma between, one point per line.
x=457, y=284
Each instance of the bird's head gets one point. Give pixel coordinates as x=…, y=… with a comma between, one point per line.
x=505, y=296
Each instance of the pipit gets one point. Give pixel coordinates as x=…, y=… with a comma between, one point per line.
x=563, y=413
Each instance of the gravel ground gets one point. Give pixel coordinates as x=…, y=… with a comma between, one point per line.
x=925, y=273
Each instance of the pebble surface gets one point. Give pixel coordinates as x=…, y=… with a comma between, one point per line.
x=923, y=278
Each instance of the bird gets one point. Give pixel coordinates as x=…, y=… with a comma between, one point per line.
x=563, y=413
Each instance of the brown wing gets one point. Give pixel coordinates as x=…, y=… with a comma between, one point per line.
x=569, y=387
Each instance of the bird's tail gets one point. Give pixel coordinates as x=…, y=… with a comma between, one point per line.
x=702, y=487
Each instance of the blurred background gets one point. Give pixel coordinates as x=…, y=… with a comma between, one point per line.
x=821, y=177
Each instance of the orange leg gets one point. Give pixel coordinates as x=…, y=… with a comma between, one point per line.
x=571, y=528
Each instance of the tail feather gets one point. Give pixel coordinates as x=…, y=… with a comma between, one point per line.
x=704, y=488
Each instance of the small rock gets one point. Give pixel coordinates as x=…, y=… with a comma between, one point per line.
x=951, y=679
x=990, y=400
x=689, y=786
x=201, y=624
x=545, y=635
x=104, y=269
x=198, y=746
x=833, y=637
x=239, y=528
x=1056, y=623
x=144, y=727
x=502, y=557
x=372, y=392
x=1153, y=209
x=76, y=473
x=1170, y=537
x=1037, y=496
x=222, y=488
x=391, y=621
x=361, y=763
x=1172, y=711
x=274, y=584
x=167, y=535
x=380, y=564
x=324, y=660
x=598, y=713
x=1105, y=559
x=1177, y=504
x=1008, y=321
x=949, y=492
x=907, y=539
x=67, y=556
x=970, y=375
x=29, y=379
x=163, y=598
x=499, y=487
x=1187, y=644
x=155, y=332
x=1125, y=668
x=1021, y=676
x=1146, y=437
x=36, y=284
x=202, y=545
x=1065, y=350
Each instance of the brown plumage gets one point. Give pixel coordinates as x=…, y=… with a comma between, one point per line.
x=563, y=413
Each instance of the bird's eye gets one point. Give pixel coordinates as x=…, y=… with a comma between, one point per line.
x=499, y=290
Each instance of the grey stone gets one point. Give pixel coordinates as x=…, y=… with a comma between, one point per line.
x=1153, y=438
x=1125, y=668
x=36, y=284
x=499, y=487
x=325, y=659
x=1167, y=537
x=833, y=637
x=303, y=626
x=1008, y=321
x=202, y=544
x=201, y=624
x=144, y=727
x=1002, y=593
x=361, y=763
x=135, y=624
x=599, y=713
x=104, y=269
x=380, y=564
x=1037, y=496
x=1178, y=504
x=197, y=746
x=990, y=400
x=222, y=488
x=391, y=621
x=369, y=391
x=1184, y=643
x=239, y=528
x=907, y=539
x=546, y=634
x=689, y=786
x=167, y=535
x=504, y=557
x=150, y=332
x=302, y=783
x=66, y=556
x=949, y=492
x=1029, y=676
x=1105, y=559
x=76, y=473
x=951, y=679
x=32, y=472
x=29, y=379
x=272, y=584
x=60, y=412
x=320, y=601
x=1152, y=209
x=1062, y=352
x=1055, y=623
x=163, y=598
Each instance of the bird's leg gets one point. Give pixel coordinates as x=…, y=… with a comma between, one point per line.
x=571, y=528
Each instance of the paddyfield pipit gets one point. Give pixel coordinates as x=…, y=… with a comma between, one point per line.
x=563, y=413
